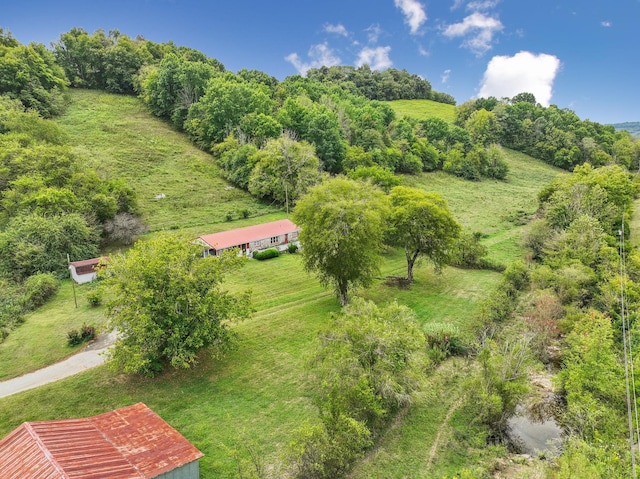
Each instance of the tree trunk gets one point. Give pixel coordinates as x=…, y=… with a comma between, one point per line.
x=411, y=261
x=343, y=294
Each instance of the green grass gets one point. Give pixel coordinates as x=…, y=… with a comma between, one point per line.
x=42, y=339
x=122, y=140
x=497, y=209
x=422, y=109
x=259, y=390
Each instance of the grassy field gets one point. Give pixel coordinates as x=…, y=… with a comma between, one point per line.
x=422, y=109
x=497, y=209
x=42, y=338
x=258, y=393
x=122, y=140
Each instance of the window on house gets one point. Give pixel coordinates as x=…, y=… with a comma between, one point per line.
x=275, y=239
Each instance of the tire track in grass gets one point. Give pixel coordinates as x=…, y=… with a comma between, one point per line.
x=441, y=430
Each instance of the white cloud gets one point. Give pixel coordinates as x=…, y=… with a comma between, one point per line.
x=606, y=23
x=478, y=30
x=319, y=55
x=338, y=29
x=523, y=72
x=414, y=14
x=423, y=51
x=377, y=58
x=445, y=76
x=482, y=5
x=373, y=33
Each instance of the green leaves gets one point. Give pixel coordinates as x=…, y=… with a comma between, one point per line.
x=168, y=305
x=343, y=223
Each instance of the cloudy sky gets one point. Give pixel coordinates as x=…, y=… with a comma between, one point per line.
x=577, y=54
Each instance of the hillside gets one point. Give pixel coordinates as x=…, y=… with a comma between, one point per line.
x=421, y=109
x=177, y=184
x=257, y=395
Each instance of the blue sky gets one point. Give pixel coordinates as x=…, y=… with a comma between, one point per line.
x=577, y=54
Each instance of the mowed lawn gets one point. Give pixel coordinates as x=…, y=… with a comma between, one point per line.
x=258, y=391
x=177, y=184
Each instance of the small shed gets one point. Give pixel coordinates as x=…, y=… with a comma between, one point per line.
x=128, y=443
x=86, y=270
x=276, y=234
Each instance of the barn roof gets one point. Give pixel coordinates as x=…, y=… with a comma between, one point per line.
x=227, y=239
x=128, y=443
x=88, y=262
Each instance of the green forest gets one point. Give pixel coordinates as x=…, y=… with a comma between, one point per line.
x=459, y=263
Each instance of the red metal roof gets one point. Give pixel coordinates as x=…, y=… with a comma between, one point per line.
x=88, y=262
x=228, y=239
x=128, y=443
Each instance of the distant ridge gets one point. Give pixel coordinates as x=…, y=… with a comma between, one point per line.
x=632, y=127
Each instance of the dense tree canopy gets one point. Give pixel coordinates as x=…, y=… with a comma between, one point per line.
x=29, y=73
x=342, y=223
x=168, y=304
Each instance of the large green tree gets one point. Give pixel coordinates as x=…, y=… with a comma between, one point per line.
x=168, y=304
x=423, y=225
x=284, y=170
x=343, y=225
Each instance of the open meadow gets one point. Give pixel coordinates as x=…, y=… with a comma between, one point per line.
x=257, y=395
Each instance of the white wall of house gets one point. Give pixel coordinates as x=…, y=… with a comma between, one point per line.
x=82, y=278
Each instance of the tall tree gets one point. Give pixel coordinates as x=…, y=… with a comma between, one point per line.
x=284, y=170
x=423, y=225
x=343, y=225
x=168, y=305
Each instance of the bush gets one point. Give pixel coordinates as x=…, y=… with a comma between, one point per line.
x=266, y=254
x=443, y=340
x=74, y=337
x=94, y=297
x=38, y=289
x=292, y=248
x=85, y=334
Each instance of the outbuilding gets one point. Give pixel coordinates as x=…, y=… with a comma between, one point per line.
x=86, y=270
x=127, y=443
x=276, y=234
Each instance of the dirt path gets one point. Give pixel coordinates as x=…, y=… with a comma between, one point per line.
x=441, y=429
x=88, y=358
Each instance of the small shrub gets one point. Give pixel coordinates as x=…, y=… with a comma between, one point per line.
x=443, y=340
x=292, y=248
x=266, y=254
x=94, y=297
x=85, y=334
x=228, y=216
x=245, y=213
x=38, y=289
x=74, y=337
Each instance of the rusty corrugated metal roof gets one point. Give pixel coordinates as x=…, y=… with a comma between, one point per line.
x=228, y=239
x=128, y=443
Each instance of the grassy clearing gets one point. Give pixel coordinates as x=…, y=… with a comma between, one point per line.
x=258, y=392
x=422, y=109
x=42, y=339
x=123, y=140
x=497, y=209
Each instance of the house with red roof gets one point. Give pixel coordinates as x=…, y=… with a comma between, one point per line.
x=86, y=270
x=127, y=443
x=276, y=234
